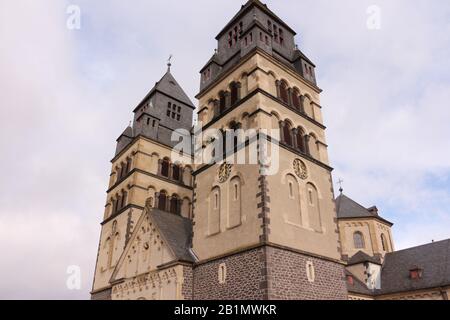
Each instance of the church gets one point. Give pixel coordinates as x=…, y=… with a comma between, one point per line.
x=174, y=229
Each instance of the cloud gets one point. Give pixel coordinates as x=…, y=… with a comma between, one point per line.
x=66, y=95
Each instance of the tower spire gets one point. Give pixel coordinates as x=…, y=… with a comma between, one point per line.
x=340, y=182
x=169, y=63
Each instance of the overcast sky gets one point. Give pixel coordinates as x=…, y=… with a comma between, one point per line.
x=66, y=95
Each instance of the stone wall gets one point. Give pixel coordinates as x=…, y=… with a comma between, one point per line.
x=186, y=289
x=270, y=273
x=289, y=281
x=244, y=278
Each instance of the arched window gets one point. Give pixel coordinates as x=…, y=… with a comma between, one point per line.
x=287, y=134
x=176, y=173
x=214, y=211
x=222, y=101
x=296, y=99
x=315, y=220
x=234, y=213
x=165, y=168
x=291, y=198
x=162, y=200
x=114, y=206
x=358, y=240
x=284, y=92
x=301, y=140
x=128, y=165
x=234, y=88
x=384, y=242
x=124, y=200
x=175, y=205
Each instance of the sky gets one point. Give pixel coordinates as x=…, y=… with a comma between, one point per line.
x=66, y=95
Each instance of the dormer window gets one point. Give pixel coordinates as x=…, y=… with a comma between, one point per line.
x=281, y=37
x=416, y=273
x=350, y=280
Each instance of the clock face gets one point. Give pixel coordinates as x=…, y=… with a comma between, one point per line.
x=224, y=172
x=300, y=169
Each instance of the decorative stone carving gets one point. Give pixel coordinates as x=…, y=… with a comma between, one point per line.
x=300, y=169
x=224, y=172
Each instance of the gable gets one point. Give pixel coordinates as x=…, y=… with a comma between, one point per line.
x=145, y=251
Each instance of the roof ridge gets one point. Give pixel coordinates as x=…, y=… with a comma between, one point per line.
x=420, y=246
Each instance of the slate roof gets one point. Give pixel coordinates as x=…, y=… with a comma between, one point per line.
x=128, y=132
x=348, y=208
x=358, y=286
x=249, y=5
x=169, y=86
x=214, y=59
x=299, y=54
x=433, y=258
x=177, y=231
x=362, y=257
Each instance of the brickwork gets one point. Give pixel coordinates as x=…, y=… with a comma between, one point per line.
x=186, y=288
x=269, y=273
x=289, y=281
x=244, y=278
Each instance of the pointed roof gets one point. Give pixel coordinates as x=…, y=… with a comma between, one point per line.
x=362, y=257
x=246, y=7
x=214, y=59
x=177, y=231
x=348, y=208
x=170, y=87
x=128, y=132
x=299, y=54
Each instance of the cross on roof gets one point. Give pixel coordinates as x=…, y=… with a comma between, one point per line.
x=169, y=62
x=340, y=182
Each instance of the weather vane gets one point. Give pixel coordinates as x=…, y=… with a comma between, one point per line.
x=169, y=62
x=340, y=182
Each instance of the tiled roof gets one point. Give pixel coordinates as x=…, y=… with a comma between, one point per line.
x=433, y=259
x=169, y=86
x=357, y=286
x=177, y=231
x=348, y=208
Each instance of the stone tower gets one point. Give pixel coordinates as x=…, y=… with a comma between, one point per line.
x=143, y=173
x=225, y=230
x=260, y=236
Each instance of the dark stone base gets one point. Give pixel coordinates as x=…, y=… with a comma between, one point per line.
x=269, y=273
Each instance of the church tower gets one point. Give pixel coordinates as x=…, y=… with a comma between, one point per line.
x=144, y=175
x=259, y=236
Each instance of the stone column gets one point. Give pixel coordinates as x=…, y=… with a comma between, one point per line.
x=282, y=124
x=302, y=104
x=307, y=138
x=159, y=166
x=289, y=93
x=277, y=84
x=294, y=138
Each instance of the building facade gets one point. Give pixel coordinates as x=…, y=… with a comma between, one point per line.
x=177, y=229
